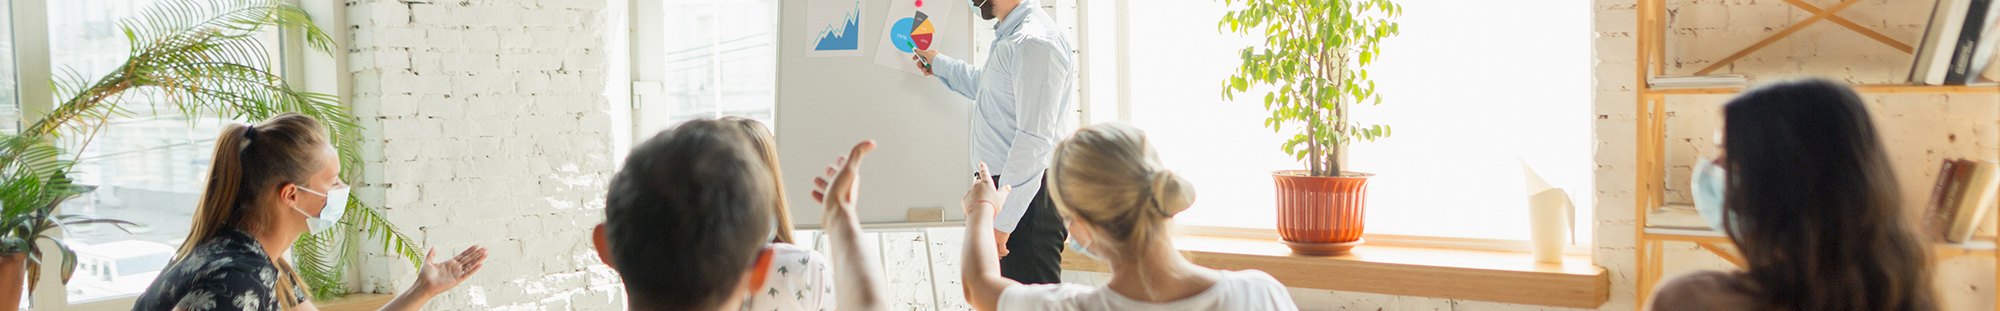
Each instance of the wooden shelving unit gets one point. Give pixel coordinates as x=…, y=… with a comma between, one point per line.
x=1661, y=222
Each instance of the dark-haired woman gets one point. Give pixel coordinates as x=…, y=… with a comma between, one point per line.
x=268, y=184
x=1813, y=207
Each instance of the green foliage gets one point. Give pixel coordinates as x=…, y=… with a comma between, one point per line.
x=199, y=58
x=1314, y=56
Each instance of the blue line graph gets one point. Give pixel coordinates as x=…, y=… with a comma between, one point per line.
x=845, y=36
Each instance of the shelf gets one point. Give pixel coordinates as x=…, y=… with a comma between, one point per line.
x=1863, y=88
x=1507, y=277
x=1680, y=223
x=354, y=302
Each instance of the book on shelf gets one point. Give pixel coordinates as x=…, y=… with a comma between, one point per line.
x=1944, y=193
x=1975, y=200
x=1974, y=43
x=1985, y=69
x=1933, y=54
x=1991, y=74
x=1702, y=81
x=1959, y=45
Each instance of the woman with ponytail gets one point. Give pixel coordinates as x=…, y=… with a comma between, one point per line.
x=1118, y=202
x=267, y=184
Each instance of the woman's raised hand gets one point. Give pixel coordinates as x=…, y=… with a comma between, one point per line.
x=836, y=187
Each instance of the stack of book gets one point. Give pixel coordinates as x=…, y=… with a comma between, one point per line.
x=1965, y=193
x=1958, y=47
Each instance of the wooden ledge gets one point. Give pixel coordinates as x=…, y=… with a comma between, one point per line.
x=1862, y=88
x=1506, y=277
x=355, y=302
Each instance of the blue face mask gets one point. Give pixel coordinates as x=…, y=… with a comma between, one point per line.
x=1082, y=250
x=1708, y=184
x=1079, y=247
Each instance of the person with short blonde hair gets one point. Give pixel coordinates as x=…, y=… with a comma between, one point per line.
x=1118, y=201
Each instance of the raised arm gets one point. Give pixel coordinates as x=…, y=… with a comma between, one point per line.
x=957, y=75
x=858, y=283
x=981, y=275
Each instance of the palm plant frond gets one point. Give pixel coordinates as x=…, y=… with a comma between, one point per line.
x=195, y=58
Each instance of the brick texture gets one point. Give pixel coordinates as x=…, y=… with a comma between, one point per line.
x=488, y=125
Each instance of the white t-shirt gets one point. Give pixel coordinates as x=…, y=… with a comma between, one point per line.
x=797, y=280
x=1245, y=290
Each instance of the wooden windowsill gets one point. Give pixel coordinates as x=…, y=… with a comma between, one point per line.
x=355, y=302
x=1506, y=277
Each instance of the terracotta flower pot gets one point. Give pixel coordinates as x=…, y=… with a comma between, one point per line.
x=13, y=280
x=1320, y=216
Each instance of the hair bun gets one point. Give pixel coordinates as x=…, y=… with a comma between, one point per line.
x=1171, y=193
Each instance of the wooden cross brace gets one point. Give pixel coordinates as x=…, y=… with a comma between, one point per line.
x=1818, y=15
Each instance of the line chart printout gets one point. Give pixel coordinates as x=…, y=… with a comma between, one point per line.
x=836, y=28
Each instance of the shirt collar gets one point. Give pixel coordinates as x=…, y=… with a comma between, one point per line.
x=1008, y=26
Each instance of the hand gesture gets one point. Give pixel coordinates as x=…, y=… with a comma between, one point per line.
x=835, y=189
x=924, y=60
x=439, y=276
x=983, y=192
x=984, y=200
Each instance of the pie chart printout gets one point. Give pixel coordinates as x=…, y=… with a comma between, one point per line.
x=913, y=25
x=922, y=35
x=899, y=35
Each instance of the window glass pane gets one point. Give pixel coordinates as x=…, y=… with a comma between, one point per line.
x=719, y=60
x=148, y=165
x=10, y=107
x=1463, y=101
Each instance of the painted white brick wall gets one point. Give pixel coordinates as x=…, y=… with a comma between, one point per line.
x=487, y=125
x=1920, y=130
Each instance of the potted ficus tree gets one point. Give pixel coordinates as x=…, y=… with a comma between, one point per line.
x=1311, y=69
x=196, y=58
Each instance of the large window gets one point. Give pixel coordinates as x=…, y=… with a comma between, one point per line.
x=10, y=105
x=1469, y=86
x=716, y=58
x=148, y=165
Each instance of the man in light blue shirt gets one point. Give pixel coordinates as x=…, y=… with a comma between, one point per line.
x=1019, y=97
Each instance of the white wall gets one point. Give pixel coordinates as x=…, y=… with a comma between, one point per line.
x=488, y=124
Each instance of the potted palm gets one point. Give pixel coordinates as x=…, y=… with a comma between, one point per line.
x=34, y=184
x=1313, y=62
x=197, y=58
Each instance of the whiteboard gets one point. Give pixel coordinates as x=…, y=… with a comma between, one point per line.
x=827, y=104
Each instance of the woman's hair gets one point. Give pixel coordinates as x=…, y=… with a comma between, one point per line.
x=1108, y=175
x=1817, y=208
x=687, y=215
x=249, y=161
x=766, y=147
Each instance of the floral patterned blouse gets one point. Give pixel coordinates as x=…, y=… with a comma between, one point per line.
x=797, y=279
x=229, y=272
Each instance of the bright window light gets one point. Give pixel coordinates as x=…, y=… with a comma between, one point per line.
x=1469, y=87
